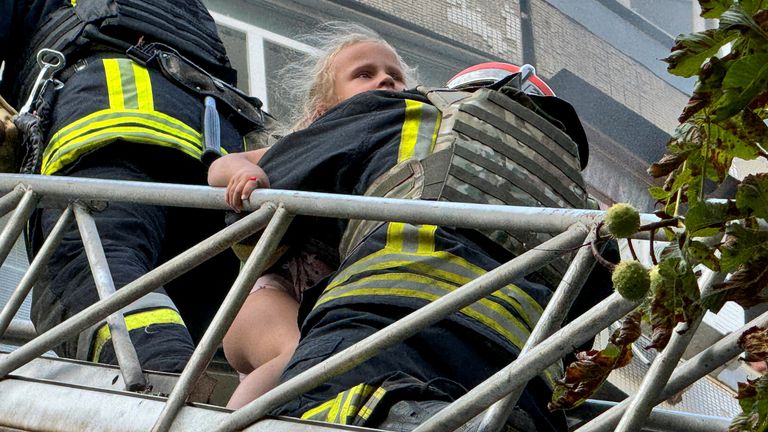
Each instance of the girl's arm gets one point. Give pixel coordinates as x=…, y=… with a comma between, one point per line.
x=240, y=173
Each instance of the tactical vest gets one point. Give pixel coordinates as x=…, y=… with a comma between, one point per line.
x=489, y=149
x=118, y=24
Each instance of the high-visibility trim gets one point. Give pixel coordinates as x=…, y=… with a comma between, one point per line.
x=144, y=98
x=131, y=116
x=347, y=406
x=411, y=238
x=134, y=321
x=440, y=265
x=109, y=118
x=426, y=242
x=367, y=409
x=114, y=84
x=417, y=138
x=490, y=313
x=140, y=134
x=395, y=235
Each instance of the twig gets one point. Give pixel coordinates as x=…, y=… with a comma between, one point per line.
x=599, y=258
x=660, y=224
x=632, y=249
x=653, y=251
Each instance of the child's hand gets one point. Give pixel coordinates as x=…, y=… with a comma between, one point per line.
x=243, y=183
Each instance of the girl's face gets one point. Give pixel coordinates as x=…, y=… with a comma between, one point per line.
x=365, y=66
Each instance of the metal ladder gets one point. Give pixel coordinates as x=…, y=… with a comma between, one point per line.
x=38, y=394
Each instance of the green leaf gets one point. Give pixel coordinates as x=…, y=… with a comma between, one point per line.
x=740, y=136
x=746, y=78
x=740, y=245
x=739, y=18
x=699, y=253
x=705, y=214
x=657, y=193
x=752, y=195
x=675, y=297
x=692, y=50
x=714, y=8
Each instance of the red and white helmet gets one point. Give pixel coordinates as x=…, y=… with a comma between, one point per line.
x=489, y=73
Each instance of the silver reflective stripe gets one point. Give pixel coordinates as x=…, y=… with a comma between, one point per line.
x=152, y=300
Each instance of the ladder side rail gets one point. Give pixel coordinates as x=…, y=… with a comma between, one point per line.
x=407, y=326
x=35, y=268
x=10, y=200
x=527, y=366
x=15, y=224
x=661, y=369
x=255, y=265
x=19, y=331
x=147, y=283
x=462, y=215
x=550, y=322
x=127, y=358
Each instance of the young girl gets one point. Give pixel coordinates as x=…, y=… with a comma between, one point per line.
x=351, y=59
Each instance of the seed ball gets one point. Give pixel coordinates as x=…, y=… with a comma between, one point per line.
x=622, y=220
x=631, y=280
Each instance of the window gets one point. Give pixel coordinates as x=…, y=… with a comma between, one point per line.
x=257, y=55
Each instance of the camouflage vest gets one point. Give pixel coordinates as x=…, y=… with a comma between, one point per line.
x=489, y=149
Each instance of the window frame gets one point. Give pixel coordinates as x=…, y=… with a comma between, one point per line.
x=254, y=48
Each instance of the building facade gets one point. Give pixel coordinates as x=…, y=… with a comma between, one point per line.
x=603, y=56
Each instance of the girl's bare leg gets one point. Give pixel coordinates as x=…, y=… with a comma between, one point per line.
x=260, y=342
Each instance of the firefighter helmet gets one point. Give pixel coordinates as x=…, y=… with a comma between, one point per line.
x=489, y=73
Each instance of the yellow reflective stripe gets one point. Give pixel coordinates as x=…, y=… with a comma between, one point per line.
x=418, y=263
x=342, y=409
x=410, y=131
x=129, y=115
x=503, y=322
x=76, y=148
x=134, y=321
x=426, y=239
x=114, y=83
x=101, y=127
x=144, y=96
x=411, y=238
x=395, y=235
x=349, y=403
x=419, y=132
x=319, y=412
x=108, y=118
x=334, y=411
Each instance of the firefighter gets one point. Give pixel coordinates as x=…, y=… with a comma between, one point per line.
x=389, y=143
x=128, y=105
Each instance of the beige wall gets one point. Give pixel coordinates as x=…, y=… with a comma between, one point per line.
x=489, y=25
x=560, y=43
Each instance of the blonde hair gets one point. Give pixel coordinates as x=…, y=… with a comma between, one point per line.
x=309, y=82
